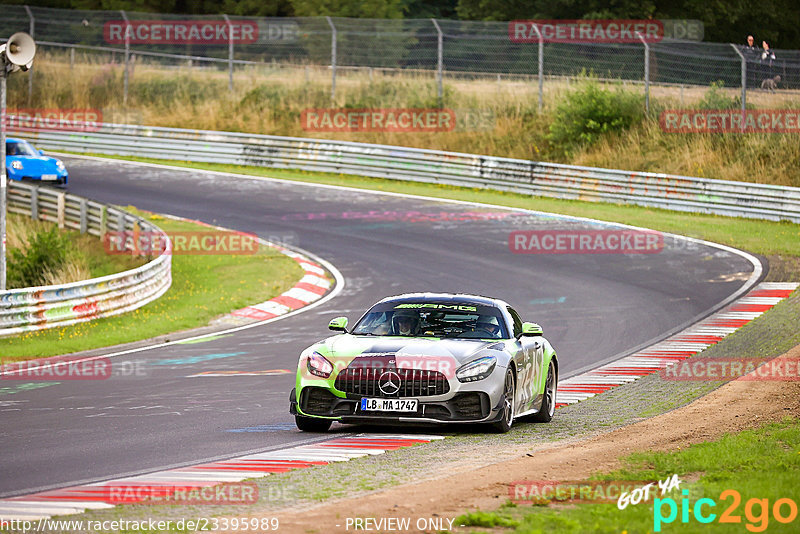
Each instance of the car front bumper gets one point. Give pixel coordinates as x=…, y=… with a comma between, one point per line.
x=468, y=404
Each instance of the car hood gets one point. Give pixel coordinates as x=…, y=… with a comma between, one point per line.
x=406, y=352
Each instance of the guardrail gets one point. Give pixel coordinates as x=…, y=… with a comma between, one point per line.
x=683, y=193
x=36, y=308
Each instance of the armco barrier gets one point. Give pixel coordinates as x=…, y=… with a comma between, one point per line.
x=739, y=199
x=36, y=308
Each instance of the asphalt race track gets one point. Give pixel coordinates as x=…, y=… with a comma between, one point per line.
x=591, y=306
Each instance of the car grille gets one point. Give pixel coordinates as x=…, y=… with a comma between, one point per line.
x=413, y=382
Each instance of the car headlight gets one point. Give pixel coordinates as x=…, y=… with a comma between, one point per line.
x=318, y=365
x=476, y=369
x=16, y=164
x=60, y=165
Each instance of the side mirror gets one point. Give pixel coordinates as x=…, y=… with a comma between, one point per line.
x=41, y=152
x=339, y=324
x=531, y=329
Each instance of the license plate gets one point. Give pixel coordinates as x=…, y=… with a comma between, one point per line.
x=389, y=405
x=49, y=177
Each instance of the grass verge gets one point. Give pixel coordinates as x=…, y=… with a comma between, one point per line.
x=777, y=240
x=735, y=462
x=203, y=287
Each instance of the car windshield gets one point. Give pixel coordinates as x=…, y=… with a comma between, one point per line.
x=20, y=148
x=433, y=319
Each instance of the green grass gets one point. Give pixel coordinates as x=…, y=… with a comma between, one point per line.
x=761, y=237
x=203, y=287
x=759, y=464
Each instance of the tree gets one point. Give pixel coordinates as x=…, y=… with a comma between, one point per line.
x=374, y=9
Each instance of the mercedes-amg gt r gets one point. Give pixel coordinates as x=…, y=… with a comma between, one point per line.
x=428, y=358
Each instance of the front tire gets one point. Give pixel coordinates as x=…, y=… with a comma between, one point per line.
x=507, y=413
x=545, y=414
x=312, y=424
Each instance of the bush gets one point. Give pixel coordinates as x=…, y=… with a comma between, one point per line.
x=591, y=111
x=715, y=98
x=47, y=251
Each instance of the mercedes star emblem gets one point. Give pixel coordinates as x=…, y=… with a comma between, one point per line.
x=389, y=383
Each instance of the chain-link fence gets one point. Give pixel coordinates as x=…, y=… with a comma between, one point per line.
x=435, y=48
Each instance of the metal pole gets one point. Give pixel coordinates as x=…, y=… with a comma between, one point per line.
x=127, y=57
x=744, y=76
x=541, y=66
x=333, y=59
x=230, y=53
x=3, y=177
x=646, y=72
x=439, y=63
x=30, y=71
x=744, y=82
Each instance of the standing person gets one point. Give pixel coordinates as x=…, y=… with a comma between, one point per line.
x=751, y=56
x=750, y=49
x=767, y=57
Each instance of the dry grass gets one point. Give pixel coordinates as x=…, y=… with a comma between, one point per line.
x=269, y=99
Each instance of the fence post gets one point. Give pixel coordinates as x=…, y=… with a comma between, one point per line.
x=84, y=216
x=541, y=65
x=333, y=59
x=61, y=205
x=744, y=82
x=439, y=62
x=31, y=30
x=35, y=203
x=127, y=57
x=71, y=58
x=646, y=72
x=230, y=52
x=103, y=220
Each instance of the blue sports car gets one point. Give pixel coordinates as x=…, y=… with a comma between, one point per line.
x=25, y=163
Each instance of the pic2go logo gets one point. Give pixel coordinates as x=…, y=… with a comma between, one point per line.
x=756, y=511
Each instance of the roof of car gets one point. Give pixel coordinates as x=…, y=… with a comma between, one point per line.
x=457, y=298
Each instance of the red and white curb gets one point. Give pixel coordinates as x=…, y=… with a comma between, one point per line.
x=310, y=288
x=678, y=347
x=77, y=499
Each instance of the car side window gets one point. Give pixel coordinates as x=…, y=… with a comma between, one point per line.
x=517, y=321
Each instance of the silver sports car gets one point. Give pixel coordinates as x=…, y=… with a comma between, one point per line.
x=432, y=358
